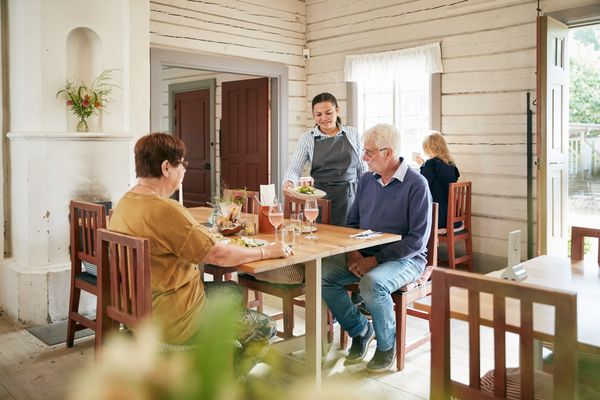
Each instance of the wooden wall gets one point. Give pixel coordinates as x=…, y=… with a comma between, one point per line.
x=488, y=54
x=488, y=51
x=264, y=30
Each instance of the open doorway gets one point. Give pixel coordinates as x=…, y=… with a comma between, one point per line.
x=558, y=41
x=218, y=69
x=225, y=132
x=584, y=128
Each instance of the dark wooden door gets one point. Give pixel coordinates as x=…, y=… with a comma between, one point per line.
x=245, y=133
x=192, y=125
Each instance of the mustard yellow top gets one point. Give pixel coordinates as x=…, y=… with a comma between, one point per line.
x=177, y=242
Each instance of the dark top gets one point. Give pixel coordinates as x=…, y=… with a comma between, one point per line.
x=439, y=176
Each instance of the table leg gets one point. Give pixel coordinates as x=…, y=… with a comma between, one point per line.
x=314, y=319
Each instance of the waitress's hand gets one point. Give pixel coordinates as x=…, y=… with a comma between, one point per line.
x=419, y=160
x=288, y=185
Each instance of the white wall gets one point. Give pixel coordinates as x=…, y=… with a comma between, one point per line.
x=49, y=164
x=488, y=54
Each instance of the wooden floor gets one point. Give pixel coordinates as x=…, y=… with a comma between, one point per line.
x=29, y=369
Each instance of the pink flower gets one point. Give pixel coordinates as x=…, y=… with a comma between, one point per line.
x=69, y=103
x=85, y=103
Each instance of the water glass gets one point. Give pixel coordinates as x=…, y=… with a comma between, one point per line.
x=296, y=219
x=288, y=234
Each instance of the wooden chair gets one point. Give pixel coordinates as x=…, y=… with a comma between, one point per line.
x=85, y=218
x=220, y=274
x=407, y=295
x=288, y=293
x=459, y=212
x=504, y=383
x=588, y=365
x=125, y=281
x=577, y=238
x=295, y=205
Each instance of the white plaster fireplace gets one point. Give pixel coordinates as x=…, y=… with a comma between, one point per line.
x=48, y=163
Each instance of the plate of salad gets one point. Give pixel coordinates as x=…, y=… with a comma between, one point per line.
x=306, y=192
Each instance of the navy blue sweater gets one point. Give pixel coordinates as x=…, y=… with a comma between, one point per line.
x=400, y=207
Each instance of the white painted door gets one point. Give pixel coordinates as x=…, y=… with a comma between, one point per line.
x=553, y=135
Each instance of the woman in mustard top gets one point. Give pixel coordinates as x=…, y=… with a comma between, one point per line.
x=177, y=241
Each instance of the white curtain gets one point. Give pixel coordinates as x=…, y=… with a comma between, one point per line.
x=394, y=65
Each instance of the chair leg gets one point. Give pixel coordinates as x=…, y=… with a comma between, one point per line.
x=400, y=333
x=73, y=307
x=100, y=319
x=288, y=317
x=245, y=295
x=469, y=249
x=451, y=254
x=258, y=298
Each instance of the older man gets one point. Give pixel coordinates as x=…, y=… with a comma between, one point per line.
x=390, y=198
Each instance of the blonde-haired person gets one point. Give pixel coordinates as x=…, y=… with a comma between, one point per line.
x=440, y=171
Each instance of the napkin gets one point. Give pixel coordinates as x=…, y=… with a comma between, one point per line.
x=366, y=234
x=267, y=194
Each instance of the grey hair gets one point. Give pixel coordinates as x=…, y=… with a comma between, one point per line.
x=384, y=136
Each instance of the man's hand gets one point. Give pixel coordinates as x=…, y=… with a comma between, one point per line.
x=361, y=265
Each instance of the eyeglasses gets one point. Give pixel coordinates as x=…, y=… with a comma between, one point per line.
x=369, y=153
x=182, y=162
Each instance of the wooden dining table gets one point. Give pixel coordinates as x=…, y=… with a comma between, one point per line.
x=332, y=240
x=554, y=272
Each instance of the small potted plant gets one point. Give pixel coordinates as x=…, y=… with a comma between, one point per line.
x=85, y=100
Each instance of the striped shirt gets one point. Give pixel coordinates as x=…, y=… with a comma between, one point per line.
x=305, y=150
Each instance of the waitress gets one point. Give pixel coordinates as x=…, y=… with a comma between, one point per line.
x=334, y=151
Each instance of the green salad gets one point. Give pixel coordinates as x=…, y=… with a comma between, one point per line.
x=306, y=190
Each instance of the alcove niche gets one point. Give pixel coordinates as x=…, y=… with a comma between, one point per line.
x=84, y=50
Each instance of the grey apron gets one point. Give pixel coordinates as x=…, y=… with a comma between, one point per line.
x=334, y=169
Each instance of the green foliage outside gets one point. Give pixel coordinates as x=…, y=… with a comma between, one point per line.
x=584, y=54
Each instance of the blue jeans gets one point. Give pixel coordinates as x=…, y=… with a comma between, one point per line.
x=376, y=287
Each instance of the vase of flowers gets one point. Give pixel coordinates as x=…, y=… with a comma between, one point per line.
x=86, y=100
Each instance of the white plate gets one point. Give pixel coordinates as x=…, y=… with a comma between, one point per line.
x=306, y=229
x=246, y=241
x=302, y=196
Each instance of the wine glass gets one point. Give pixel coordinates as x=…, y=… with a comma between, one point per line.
x=275, y=216
x=311, y=211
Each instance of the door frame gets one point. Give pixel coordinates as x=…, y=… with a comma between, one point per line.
x=572, y=17
x=277, y=73
x=211, y=85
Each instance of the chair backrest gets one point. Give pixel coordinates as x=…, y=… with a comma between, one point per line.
x=565, y=336
x=459, y=206
x=433, y=242
x=85, y=218
x=293, y=205
x=246, y=197
x=577, y=240
x=125, y=277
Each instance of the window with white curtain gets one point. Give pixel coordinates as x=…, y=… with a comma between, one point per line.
x=396, y=88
